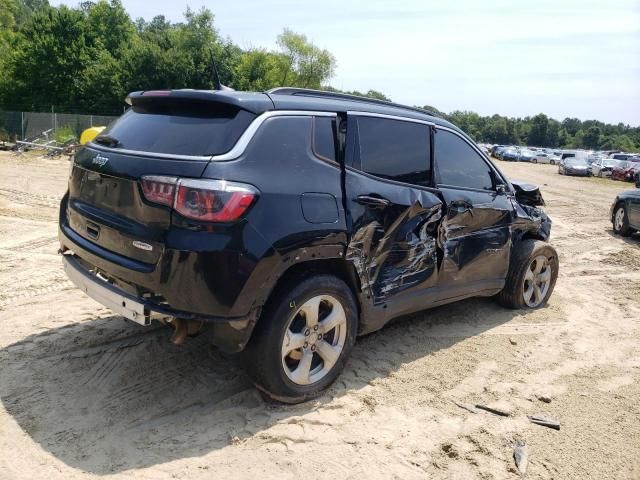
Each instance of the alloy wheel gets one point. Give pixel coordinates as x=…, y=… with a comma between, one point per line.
x=618, y=220
x=314, y=339
x=537, y=281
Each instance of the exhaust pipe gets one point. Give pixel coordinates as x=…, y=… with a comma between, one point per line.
x=182, y=328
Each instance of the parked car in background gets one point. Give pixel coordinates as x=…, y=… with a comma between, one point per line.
x=497, y=152
x=624, y=171
x=495, y=149
x=574, y=166
x=594, y=157
x=526, y=155
x=511, y=154
x=634, y=172
x=546, y=158
x=625, y=211
x=621, y=156
x=603, y=167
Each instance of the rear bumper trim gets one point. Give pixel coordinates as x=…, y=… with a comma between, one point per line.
x=104, y=293
x=129, y=306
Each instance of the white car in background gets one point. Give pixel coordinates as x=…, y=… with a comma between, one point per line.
x=604, y=166
x=549, y=158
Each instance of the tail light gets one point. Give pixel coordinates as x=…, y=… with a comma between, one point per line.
x=202, y=200
x=160, y=190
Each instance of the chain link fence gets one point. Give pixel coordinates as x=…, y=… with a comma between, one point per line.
x=29, y=125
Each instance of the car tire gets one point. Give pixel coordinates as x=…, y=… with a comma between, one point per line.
x=534, y=161
x=283, y=376
x=532, y=275
x=621, y=221
x=551, y=162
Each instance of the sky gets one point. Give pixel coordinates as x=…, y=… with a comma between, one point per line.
x=564, y=58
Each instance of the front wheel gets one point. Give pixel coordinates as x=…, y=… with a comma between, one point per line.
x=533, y=272
x=621, y=221
x=552, y=162
x=303, y=339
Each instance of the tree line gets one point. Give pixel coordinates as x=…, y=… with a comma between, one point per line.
x=86, y=59
x=542, y=131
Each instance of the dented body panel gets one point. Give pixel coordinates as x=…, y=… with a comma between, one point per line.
x=393, y=248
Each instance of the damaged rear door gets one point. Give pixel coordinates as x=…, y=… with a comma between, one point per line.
x=393, y=210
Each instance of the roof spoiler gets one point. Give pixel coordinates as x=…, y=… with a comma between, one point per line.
x=255, y=103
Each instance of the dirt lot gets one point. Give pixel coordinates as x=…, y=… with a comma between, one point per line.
x=85, y=393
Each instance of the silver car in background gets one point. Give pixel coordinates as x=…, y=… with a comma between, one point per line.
x=549, y=158
x=603, y=167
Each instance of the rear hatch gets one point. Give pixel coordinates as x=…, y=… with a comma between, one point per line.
x=168, y=134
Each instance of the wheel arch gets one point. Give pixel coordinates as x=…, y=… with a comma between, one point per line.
x=621, y=201
x=232, y=337
x=338, y=267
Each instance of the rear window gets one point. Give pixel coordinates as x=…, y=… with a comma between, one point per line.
x=180, y=128
x=324, y=134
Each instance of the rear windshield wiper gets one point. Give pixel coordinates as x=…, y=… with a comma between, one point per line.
x=107, y=140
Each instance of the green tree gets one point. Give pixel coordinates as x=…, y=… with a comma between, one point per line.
x=538, y=133
x=257, y=70
x=301, y=63
x=571, y=125
x=8, y=11
x=591, y=138
x=619, y=142
x=553, y=132
x=109, y=26
x=50, y=59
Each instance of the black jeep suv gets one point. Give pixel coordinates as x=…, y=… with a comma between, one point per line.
x=284, y=224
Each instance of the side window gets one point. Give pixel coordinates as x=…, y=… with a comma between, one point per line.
x=459, y=165
x=395, y=150
x=324, y=135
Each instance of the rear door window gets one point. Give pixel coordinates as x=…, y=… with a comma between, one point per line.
x=395, y=150
x=180, y=128
x=459, y=165
x=324, y=137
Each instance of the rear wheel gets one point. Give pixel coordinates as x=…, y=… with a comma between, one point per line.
x=533, y=272
x=552, y=162
x=534, y=161
x=621, y=221
x=303, y=339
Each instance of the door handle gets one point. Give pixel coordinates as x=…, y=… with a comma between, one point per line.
x=372, y=202
x=462, y=206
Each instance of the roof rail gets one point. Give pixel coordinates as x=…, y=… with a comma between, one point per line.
x=307, y=92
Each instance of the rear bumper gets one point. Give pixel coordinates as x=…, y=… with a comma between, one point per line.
x=105, y=293
x=117, y=300
x=199, y=275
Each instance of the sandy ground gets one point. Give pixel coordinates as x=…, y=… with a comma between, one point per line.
x=85, y=393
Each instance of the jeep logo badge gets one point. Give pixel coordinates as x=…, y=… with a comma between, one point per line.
x=100, y=160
